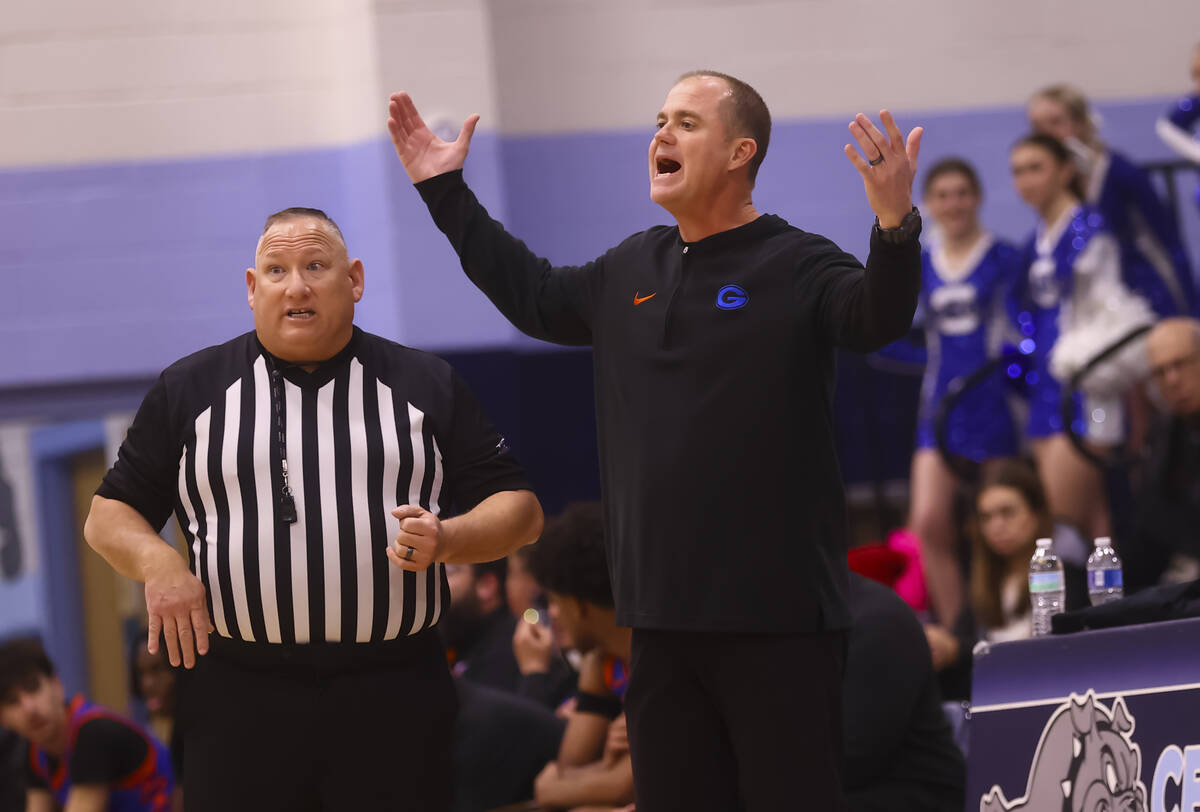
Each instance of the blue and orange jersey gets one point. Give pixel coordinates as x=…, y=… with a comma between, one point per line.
x=616, y=677
x=146, y=789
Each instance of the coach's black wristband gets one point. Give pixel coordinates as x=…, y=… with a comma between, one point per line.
x=607, y=706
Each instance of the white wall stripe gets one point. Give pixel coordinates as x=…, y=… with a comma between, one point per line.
x=298, y=532
x=362, y=507
x=416, y=437
x=204, y=487
x=329, y=514
x=263, y=474
x=233, y=492
x=391, y=475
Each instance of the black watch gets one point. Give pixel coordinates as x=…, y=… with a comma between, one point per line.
x=909, y=229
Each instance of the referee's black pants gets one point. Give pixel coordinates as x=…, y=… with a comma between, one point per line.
x=310, y=739
x=728, y=722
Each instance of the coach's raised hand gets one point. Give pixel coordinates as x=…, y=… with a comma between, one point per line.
x=889, y=167
x=423, y=153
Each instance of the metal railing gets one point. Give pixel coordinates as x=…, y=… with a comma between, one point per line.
x=1120, y=455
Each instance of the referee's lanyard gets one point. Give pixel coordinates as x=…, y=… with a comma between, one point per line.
x=286, y=509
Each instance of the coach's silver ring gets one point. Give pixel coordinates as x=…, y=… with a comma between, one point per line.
x=409, y=552
x=877, y=161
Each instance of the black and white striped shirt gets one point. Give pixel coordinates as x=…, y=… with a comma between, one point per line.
x=377, y=426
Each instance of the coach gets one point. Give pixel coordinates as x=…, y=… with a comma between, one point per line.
x=309, y=464
x=714, y=348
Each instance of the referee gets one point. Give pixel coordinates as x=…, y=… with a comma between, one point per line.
x=309, y=464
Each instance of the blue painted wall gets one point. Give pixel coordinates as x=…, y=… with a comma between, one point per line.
x=115, y=271
x=572, y=197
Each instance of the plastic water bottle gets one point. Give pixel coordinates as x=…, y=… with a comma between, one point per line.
x=1046, y=588
x=1104, y=573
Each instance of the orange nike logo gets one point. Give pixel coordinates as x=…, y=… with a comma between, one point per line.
x=637, y=300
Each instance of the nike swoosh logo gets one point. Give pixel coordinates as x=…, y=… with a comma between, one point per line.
x=637, y=300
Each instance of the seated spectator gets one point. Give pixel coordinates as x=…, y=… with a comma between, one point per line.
x=79, y=756
x=505, y=729
x=593, y=766
x=1169, y=503
x=478, y=628
x=157, y=685
x=899, y=749
x=12, y=772
x=501, y=743
x=521, y=589
x=546, y=676
x=1011, y=515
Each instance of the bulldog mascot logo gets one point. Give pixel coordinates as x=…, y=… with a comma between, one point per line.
x=1086, y=761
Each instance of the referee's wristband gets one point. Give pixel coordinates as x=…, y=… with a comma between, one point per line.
x=607, y=706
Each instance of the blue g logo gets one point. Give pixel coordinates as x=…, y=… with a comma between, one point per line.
x=732, y=297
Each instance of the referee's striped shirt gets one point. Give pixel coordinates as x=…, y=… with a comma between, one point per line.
x=377, y=426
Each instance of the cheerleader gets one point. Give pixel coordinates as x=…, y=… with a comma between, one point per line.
x=1154, y=261
x=1073, y=274
x=1176, y=128
x=966, y=275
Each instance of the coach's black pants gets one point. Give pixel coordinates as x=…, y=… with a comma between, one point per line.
x=310, y=739
x=727, y=722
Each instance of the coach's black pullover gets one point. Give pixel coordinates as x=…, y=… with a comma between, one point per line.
x=714, y=369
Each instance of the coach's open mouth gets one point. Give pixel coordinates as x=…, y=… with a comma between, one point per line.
x=666, y=166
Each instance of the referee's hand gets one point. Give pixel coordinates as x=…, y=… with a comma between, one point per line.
x=178, y=609
x=419, y=541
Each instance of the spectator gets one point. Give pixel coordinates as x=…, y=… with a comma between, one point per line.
x=501, y=743
x=79, y=755
x=899, y=751
x=1153, y=257
x=1011, y=515
x=1169, y=503
x=593, y=765
x=155, y=683
x=521, y=589
x=966, y=276
x=546, y=676
x=1178, y=126
x=12, y=773
x=478, y=628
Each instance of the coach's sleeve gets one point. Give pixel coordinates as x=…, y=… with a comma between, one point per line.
x=477, y=458
x=864, y=309
x=546, y=302
x=147, y=465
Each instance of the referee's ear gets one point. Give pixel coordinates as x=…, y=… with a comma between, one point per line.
x=250, y=287
x=356, y=281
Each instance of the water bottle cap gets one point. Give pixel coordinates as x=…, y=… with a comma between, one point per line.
x=1043, y=543
x=1103, y=541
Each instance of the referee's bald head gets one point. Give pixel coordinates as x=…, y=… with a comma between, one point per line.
x=303, y=287
x=300, y=212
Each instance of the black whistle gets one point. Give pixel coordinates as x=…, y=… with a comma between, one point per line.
x=287, y=509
